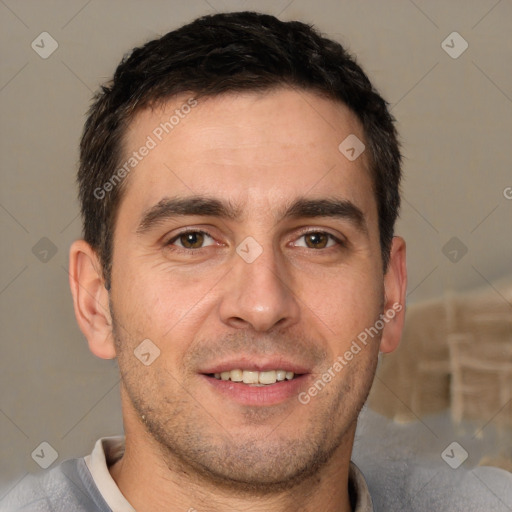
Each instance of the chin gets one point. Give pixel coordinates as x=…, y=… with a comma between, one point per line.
x=253, y=467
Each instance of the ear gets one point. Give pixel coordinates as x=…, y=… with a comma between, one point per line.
x=90, y=299
x=395, y=288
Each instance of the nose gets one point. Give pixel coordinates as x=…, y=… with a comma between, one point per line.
x=259, y=295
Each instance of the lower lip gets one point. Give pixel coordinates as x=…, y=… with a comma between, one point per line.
x=259, y=395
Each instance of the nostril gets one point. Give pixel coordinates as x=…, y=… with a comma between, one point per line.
x=238, y=322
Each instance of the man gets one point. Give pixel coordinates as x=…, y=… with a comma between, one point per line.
x=239, y=184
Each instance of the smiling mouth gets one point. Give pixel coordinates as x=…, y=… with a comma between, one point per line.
x=255, y=378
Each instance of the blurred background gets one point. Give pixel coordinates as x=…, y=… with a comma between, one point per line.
x=444, y=67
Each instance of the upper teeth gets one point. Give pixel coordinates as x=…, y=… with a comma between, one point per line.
x=252, y=377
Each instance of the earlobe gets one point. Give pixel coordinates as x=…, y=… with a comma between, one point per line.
x=91, y=299
x=395, y=288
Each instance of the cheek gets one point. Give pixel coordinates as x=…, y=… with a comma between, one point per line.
x=345, y=301
x=157, y=302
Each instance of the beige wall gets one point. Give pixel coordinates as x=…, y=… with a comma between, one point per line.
x=455, y=119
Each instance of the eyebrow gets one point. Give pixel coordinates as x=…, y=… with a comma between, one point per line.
x=331, y=207
x=170, y=208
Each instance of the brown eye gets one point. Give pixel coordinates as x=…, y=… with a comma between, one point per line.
x=317, y=240
x=192, y=240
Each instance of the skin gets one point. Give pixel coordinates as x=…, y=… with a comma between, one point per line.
x=187, y=446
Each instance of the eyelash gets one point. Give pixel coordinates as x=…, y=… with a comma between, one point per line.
x=186, y=232
x=339, y=243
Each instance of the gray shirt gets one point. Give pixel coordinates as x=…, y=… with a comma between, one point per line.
x=85, y=484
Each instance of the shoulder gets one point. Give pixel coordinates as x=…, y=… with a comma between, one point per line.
x=406, y=485
x=404, y=468
x=66, y=487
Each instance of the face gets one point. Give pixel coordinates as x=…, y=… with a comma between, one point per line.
x=246, y=245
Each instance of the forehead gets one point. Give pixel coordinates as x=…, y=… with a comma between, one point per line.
x=257, y=149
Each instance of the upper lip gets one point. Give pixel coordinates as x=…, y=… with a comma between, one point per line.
x=255, y=363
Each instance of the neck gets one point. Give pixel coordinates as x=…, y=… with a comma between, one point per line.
x=152, y=481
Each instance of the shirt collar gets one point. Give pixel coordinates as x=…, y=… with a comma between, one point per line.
x=360, y=498
x=108, y=450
